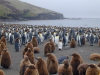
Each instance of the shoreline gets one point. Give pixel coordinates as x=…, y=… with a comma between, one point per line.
x=1, y=23
x=90, y=23
x=11, y=20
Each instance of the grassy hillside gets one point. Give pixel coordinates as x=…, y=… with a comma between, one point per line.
x=15, y=9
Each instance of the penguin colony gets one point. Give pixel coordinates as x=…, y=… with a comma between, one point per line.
x=57, y=37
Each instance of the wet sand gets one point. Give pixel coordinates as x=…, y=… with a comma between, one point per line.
x=16, y=57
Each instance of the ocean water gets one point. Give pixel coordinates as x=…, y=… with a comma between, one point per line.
x=65, y=22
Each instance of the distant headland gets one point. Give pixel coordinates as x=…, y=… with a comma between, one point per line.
x=18, y=10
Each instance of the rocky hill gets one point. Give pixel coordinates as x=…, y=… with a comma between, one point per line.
x=18, y=10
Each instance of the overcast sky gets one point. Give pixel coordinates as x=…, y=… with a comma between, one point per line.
x=71, y=8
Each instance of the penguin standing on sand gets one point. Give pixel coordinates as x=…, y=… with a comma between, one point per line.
x=53, y=38
x=65, y=39
x=23, y=38
x=16, y=34
x=79, y=39
x=82, y=40
x=17, y=44
x=86, y=35
x=56, y=39
x=95, y=38
x=41, y=37
x=91, y=40
x=11, y=38
x=60, y=45
x=30, y=35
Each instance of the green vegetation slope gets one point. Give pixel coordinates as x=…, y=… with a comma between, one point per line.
x=18, y=10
